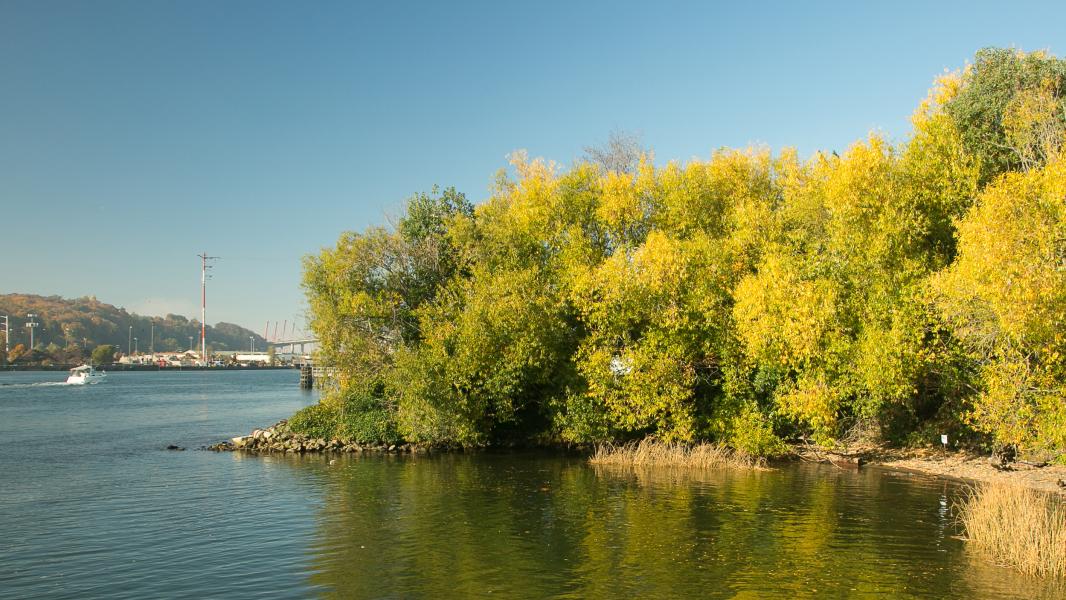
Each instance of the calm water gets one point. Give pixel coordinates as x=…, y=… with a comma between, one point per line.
x=93, y=506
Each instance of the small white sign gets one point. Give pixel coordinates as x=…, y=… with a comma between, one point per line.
x=944, y=440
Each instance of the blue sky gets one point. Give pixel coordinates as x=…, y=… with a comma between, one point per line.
x=134, y=135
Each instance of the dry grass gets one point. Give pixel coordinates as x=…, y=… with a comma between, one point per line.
x=653, y=453
x=1017, y=527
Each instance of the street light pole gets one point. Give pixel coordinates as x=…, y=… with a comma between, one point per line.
x=190, y=342
x=129, y=342
x=32, y=325
x=135, y=350
x=251, y=345
x=151, y=345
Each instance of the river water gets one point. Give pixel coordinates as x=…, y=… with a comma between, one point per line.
x=92, y=505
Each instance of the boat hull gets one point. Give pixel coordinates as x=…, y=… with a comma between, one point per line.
x=85, y=379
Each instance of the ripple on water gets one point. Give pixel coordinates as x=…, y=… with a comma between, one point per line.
x=107, y=513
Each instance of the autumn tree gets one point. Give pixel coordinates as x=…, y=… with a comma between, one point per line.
x=1005, y=298
x=16, y=353
x=749, y=298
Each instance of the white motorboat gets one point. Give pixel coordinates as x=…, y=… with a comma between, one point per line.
x=85, y=374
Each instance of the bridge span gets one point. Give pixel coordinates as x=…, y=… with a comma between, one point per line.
x=302, y=346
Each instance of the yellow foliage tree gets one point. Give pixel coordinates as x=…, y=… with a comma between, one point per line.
x=743, y=298
x=1005, y=297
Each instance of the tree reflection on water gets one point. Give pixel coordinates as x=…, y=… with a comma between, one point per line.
x=531, y=525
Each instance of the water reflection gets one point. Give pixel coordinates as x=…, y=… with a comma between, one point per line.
x=535, y=526
x=92, y=506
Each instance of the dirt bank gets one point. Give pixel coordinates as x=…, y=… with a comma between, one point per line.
x=972, y=467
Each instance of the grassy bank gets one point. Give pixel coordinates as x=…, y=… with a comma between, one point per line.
x=653, y=453
x=1017, y=527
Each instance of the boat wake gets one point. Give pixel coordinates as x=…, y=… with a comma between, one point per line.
x=36, y=384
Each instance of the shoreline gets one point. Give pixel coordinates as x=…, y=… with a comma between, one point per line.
x=956, y=465
x=278, y=438
x=974, y=468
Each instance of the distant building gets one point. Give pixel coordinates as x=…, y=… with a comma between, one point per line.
x=187, y=358
x=253, y=357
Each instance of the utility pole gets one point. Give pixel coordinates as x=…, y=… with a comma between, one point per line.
x=129, y=342
x=32, y=325
x=203, y=303
x=7, y=336
x=251, y=345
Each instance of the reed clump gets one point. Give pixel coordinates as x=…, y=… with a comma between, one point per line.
x=654, y=453
x=1017, y=527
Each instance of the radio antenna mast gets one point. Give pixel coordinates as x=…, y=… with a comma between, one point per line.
x=203, y=303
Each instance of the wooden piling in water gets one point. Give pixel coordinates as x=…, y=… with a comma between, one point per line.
x=307, y=378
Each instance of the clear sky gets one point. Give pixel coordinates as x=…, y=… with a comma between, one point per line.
x=134, y=135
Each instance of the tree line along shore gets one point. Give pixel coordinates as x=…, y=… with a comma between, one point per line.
x=716, y=313
x=893, y=292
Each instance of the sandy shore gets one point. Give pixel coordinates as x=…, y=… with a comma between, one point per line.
x=961, y=465
x=972, y=467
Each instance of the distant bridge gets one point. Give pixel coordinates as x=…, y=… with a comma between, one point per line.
x=291, y=345
x=291, y=341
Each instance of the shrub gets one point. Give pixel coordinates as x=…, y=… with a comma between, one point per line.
x=317, y=420
x=753, y=434
x=366, y=419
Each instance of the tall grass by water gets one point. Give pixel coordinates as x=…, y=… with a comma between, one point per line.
x=1017, y=527
x=653, y=453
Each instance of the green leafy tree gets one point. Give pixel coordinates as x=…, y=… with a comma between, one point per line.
x=1004, y=87
x=103, y=354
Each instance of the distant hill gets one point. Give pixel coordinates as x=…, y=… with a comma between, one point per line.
x=70, y=326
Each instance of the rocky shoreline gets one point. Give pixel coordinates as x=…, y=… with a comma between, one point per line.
x=279, y=438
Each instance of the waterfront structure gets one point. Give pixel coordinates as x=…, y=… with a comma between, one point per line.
x=188, y=358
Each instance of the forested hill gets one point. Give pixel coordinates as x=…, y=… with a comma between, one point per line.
x=87, y=322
